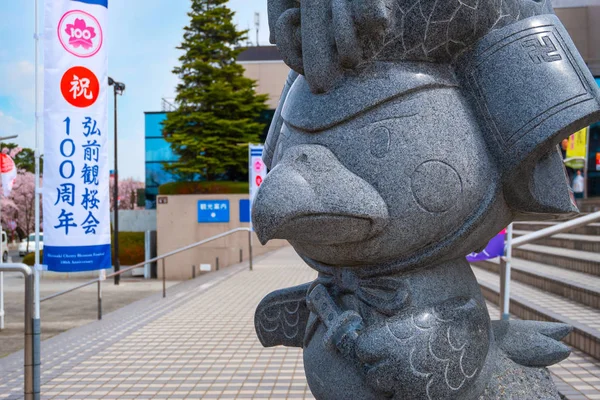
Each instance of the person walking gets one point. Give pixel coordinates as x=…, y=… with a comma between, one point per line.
x=578, y=187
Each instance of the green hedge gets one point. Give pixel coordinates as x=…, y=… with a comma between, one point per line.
x=131, y=250
x=215, y=187
x=29, y=259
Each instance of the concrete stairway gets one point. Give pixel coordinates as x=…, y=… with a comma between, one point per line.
x=554, y=279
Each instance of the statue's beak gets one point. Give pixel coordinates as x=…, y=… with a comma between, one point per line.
x=311, y=197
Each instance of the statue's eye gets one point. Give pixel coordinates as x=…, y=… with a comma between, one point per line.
x=436, y=186
x=381, y=140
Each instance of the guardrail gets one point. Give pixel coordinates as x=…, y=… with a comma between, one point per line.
x=161, y=258
x=505, y=262
x=31, y=360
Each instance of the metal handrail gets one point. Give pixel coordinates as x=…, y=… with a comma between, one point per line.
x=31, y=364
x=506, y=261
x=155, y=259
x=553, y=230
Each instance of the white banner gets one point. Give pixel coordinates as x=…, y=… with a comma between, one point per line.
x=76, y=173
x=257, y=170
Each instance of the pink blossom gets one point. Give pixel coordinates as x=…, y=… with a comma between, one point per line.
x=127, y=193
x=13, y=153
x=20, y=205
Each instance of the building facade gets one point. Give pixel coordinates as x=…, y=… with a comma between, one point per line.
x=262, y=64
x=158, y=152
x=265, y=65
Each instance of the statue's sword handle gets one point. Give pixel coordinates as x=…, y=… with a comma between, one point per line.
x=342, y=326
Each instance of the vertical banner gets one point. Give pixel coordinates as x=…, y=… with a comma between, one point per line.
x=257, y=170
x=576, y=150
x=76, y=189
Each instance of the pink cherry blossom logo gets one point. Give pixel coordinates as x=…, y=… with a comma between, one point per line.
x=80, y=33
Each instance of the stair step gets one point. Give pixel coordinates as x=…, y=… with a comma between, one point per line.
x=567, y=241
x=575, y=260
x=591, y=229
x=533, y=304
x=579, y=287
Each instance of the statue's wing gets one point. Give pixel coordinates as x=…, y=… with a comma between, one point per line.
x=532, y=343
x=281, y=317
x=430, y=353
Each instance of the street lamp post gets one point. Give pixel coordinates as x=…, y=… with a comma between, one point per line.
x=119, y=88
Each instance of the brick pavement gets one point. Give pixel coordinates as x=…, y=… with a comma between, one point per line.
x=199, y=343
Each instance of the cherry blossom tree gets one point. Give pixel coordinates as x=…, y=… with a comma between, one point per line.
x=128, y=189
x=23, y=197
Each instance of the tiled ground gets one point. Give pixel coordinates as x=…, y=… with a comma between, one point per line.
x=199, y=343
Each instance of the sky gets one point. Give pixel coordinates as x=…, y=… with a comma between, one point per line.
x=142, y=40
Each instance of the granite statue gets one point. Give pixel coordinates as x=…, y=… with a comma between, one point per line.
x=409, y=133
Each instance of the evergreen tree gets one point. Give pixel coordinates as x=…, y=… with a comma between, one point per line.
x=218, y=108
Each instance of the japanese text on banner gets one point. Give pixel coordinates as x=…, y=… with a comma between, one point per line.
x=76, y=172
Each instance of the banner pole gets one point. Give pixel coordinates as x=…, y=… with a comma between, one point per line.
x=36, y=347
x=36, y=314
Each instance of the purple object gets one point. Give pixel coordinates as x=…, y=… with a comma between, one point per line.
x=495, y=248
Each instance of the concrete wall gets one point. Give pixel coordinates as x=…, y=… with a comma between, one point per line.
x=583, y=24
x=270, y=77
x=177, y=223
x=135, y=220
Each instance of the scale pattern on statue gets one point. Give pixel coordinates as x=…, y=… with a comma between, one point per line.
x=439, y=30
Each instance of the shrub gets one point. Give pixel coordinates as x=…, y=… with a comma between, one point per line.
x=29, y=259
x=131, y=248
x=213, y=187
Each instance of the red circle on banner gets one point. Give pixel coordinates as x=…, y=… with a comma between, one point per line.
x=6, y=163
x=259, y=180
x=80, y=87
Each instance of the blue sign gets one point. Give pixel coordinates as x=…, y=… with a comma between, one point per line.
x=245, y=210
x=213, y=211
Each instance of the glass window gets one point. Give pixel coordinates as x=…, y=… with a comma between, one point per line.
x=156, y=175
x=159, y=150
x=154, y=124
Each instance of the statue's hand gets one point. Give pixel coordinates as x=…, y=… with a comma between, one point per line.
x=342, y=327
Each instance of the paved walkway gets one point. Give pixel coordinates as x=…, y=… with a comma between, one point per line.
x=71, y=310
x=199, y=343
